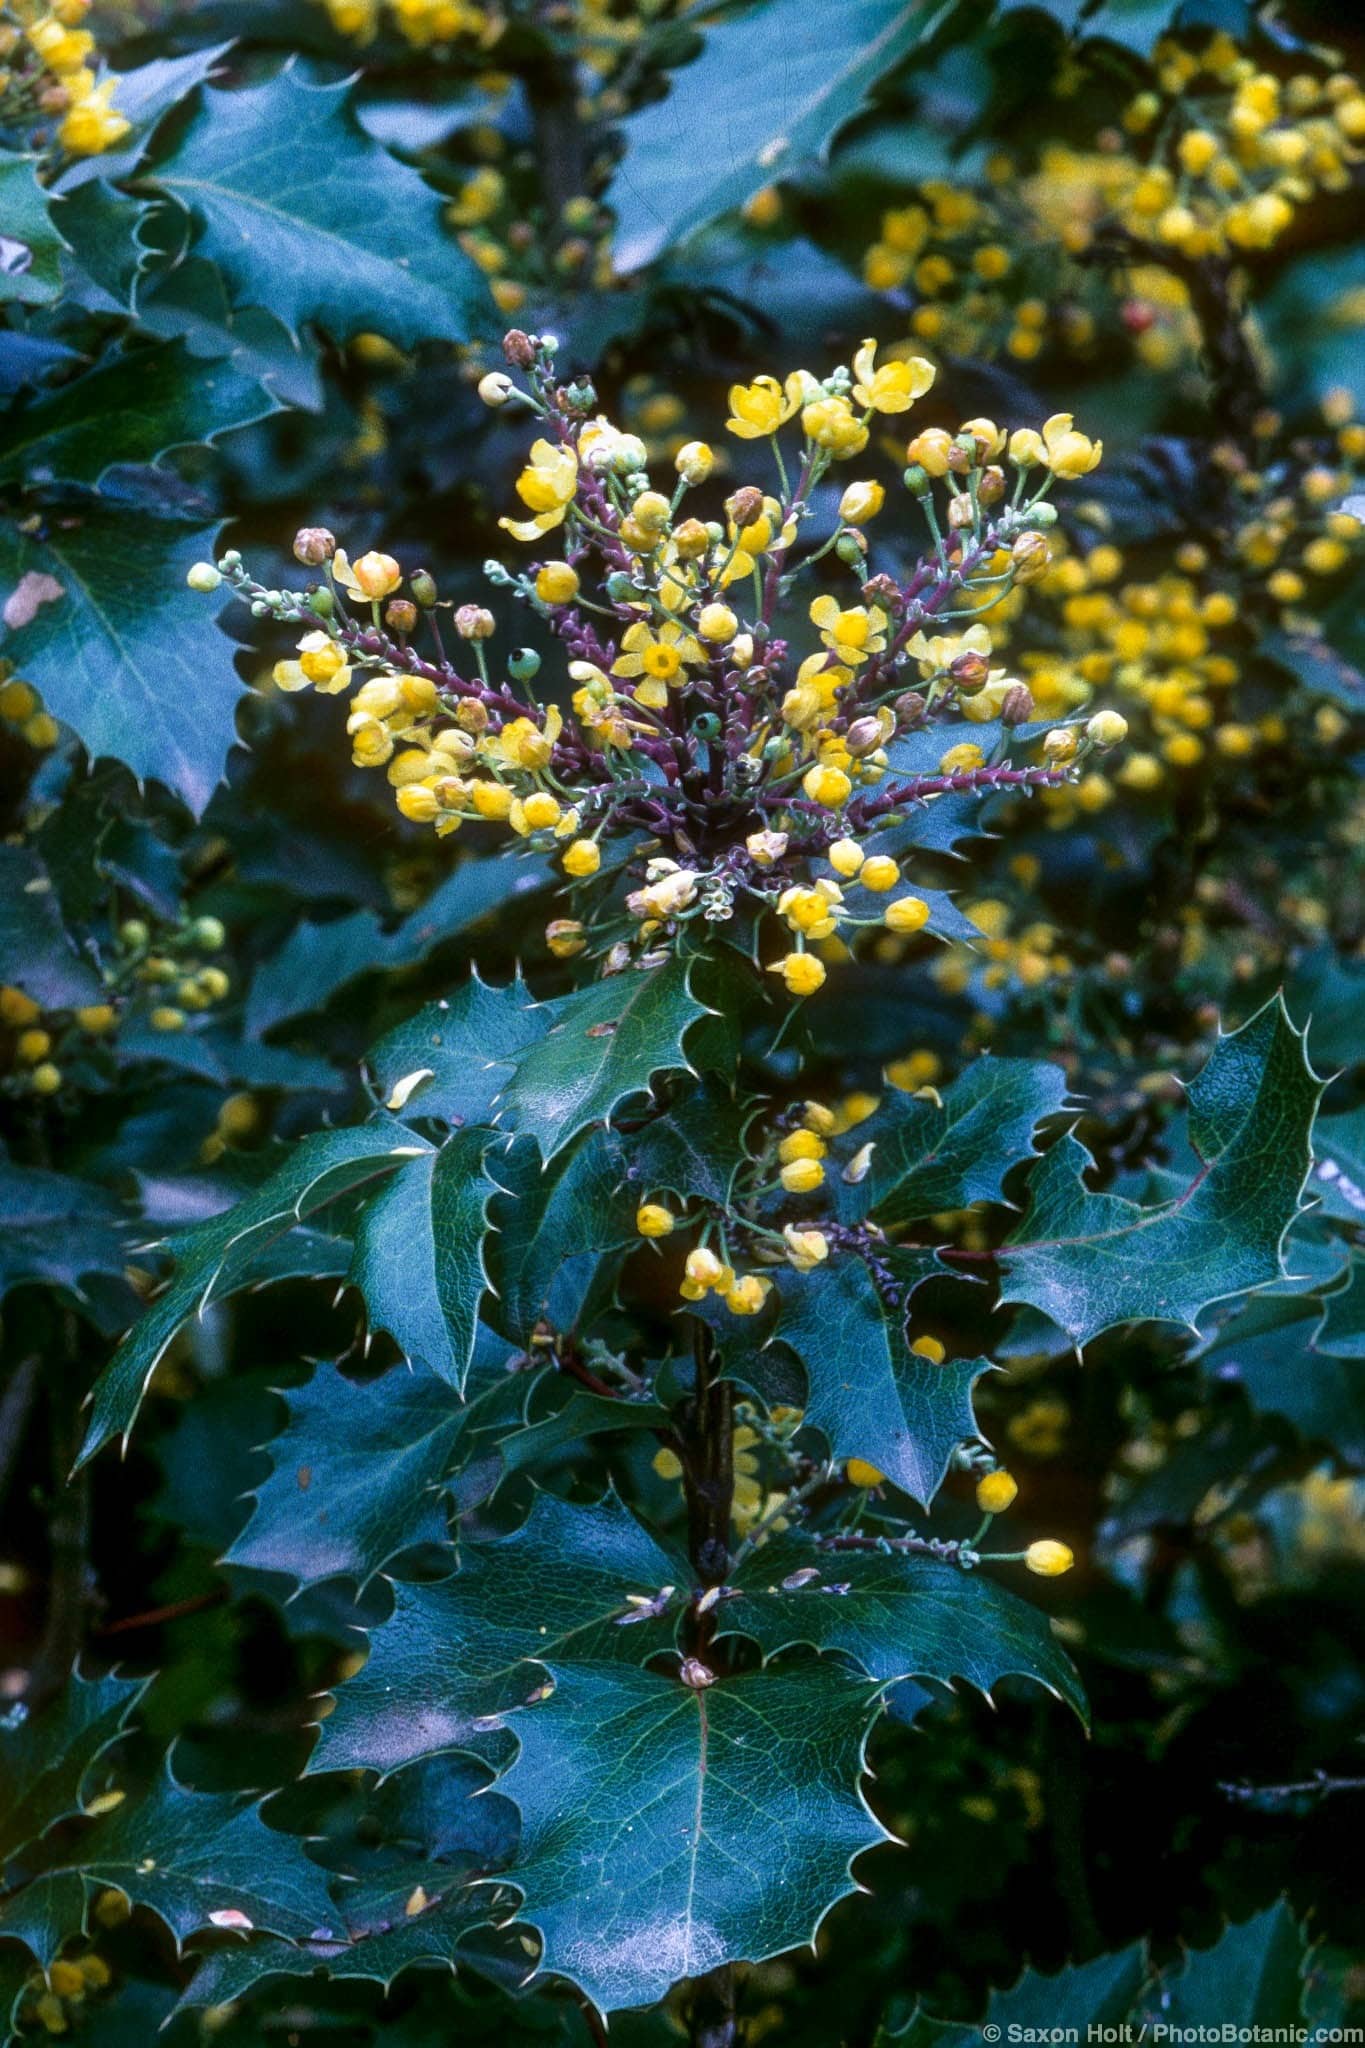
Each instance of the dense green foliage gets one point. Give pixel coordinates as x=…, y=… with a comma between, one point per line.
x=605, y=1421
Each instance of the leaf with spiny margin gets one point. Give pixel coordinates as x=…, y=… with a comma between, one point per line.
x=604, y=1046
x=666, y=1831
x=1342, y=1334
x=462, y=1649
x=713, y=142
x=1098, y=1993
x=419, y=1253
x=56, y=1231
x=557, y=1227
x=212, y=1256
x=1339, y=1165
x=928, y=1157
x=1268, y=1348
x=873, y=1397
x=124, y=655
x=189, y=1855
x=132, y=408
x=37, y=953
x=467, y=1042
x=899, y=1616
x=44, y=1915
x=1251, y=1977
x=30, y=246
x=1091, y=1261
x=695, y=1148
x=44, y=1760
x=356, y=1476
x=340, y=233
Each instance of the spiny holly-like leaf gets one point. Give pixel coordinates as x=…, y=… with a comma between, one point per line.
x=713, y=142
x=900, y=1616
x=1342, y=1334
x=604, y=1047
x=429, y=1936
x=463, y=1046
x=1098, y=1993
x=1271, y=1347
x=874, y=1397
x=44, y=1760
x=56, y=1231
x=121, y=651
x=929, y=1156
x=356, y=1477
x=696, y=1147
x=189, y=1856
x=666, y=1830
x=1251, y=1977
x=131, y=409
x=339, y=233
x=210, y=1257
x=419, y=1253
x=37, y=952
x=468, y=1647
x=30, y=246
x=1338, y=1181
x=1090, y=1261
x=44, y=1915
x=556, y=1228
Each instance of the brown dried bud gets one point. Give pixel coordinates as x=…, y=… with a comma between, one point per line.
x=745, y=505
x=884, y=592
x=991, y=487
x=964, y=454
x=691, y=539
x=969, y=670
x=1016, y=706
x=909, y=710
x=961, y=510
x=471, y=716
x=314, y=545
x=54, y=99
x=518, y=348
x=473, y=622
x=696, y=1674
x=1030, y=556
x=401, y=615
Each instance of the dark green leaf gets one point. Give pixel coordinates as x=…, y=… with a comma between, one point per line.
x=30, y=246
x=714, y=141
x=1090, y=1261
x=667, y=1830
x=465, y=1043
x=36, y=950
x=338, y=232
x=556, y=1228
x=899, y=1616
x=1269, y=1348
x=1339, y=1165
x=603, y=1048
x=55, y=1231
x=130, y=409
x=695, y=1148
x=356, y=1476
x=121, y=651
x=469, y=1647
x=44, y=1760
x=419, y=1253
x=929, y=1158
x=873, y=1397
x=1252, y=1977
x=213, y=1256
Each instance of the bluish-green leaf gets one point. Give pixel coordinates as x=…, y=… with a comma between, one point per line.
x=419, y=1253
x=30, y=246
x=557, y=1225
x=871, y=1395
x=306, y=215
x=45, y=1758
x=1091, y=1260
x=463, y=1046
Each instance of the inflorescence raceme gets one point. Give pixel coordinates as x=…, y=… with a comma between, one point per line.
x=737, y=744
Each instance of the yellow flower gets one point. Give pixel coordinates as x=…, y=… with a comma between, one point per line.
x=801, y=1176
x=762, y=407
x=546, y=487
x=961, y=760
x=1048, y=1558
x=852, y=636
x=652, y=1219
x=907, y=914
x=582, y=858
x=859, y=1473
x=832, y=423
x=895, y=386
x=1069, y=454
x=92, y=125
x=813, y=912
x=556, y=583
x=802, y=973
x=524, y=744
x=322, y=664
x=827, y=786
x=659, y=653
x=372, y=577
x=995, y=1492
x=861, y=502
x=748, y=1295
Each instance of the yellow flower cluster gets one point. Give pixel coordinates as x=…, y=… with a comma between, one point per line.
x=22, y=708
x=56, y=1998
x=426, y=24
x=48, y=74
x=750, y=739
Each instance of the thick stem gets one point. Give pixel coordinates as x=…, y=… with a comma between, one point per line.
x=709, y=1468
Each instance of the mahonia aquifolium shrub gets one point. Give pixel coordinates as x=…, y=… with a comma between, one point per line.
x=625, y=1198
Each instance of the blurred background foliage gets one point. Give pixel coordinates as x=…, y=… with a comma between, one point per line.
x=292, y=267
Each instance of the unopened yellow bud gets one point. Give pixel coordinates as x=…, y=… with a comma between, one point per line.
x=859, y=1473
x=652, y=1219
x=995, y=1492
x=907, y=914
x=1048, y=1558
